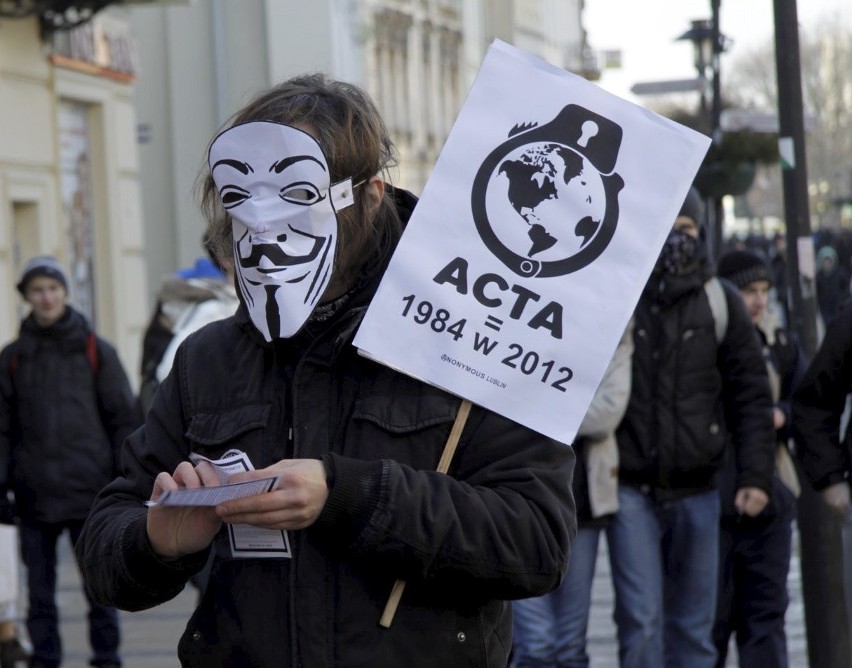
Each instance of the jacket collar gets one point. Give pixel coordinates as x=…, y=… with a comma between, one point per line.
x=69, y=333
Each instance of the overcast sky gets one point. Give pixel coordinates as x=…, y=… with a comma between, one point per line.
x=645, y=32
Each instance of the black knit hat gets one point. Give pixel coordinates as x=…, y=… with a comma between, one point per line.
x=43, y=265
x=693, y=207
x=742, y=267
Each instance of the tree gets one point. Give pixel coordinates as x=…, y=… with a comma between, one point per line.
x=826, y=57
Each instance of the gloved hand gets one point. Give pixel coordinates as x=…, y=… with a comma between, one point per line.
x=837, y=497
x=8, y=509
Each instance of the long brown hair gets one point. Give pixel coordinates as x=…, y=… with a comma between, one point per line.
x=352, y=135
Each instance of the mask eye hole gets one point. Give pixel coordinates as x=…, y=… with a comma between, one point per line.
x=233, y=196
x=302, y=193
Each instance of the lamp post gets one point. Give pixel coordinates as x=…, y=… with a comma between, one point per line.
x=708, y=44
x=701, y=36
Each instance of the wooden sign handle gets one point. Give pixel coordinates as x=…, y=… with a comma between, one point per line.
x=443, y=466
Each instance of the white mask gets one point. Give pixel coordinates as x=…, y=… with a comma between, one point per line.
x=274, y=182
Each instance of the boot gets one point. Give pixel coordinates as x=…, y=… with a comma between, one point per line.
x=12, y=652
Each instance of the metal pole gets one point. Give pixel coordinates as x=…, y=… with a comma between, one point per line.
x=715, y=117
x=820, y=547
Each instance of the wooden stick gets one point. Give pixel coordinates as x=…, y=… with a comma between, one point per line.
x=443, y=466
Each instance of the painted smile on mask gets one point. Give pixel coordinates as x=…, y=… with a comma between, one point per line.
x=274, y=182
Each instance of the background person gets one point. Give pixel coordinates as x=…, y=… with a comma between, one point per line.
x=186, y=302
x=550, y=631
x=65, y=409
x=12, y=651
x=819, y=403
x=832, y=282
x=754, y=554
x=690, y=383
x=354, y=443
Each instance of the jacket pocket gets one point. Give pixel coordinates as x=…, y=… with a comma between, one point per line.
x=402, y=417
x=412, y=430
x=228, y=426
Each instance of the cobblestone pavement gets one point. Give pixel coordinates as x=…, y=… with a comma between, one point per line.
x=150, y=637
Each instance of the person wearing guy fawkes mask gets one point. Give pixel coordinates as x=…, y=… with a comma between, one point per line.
x=688, y=389
x=301, y=573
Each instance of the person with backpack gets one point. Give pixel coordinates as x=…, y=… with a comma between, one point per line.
x=754, y=552
x=692, y=382
x=66, y=406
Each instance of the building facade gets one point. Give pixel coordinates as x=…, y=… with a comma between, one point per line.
x=104, y=128
x=201, y=61
x=69, y=171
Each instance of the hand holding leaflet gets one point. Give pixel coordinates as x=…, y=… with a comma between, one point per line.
x=213, y=496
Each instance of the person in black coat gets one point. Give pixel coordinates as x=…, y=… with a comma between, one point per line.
x=692, y=379
x=754, y=555
x=301, y=573
x=819, y=401
x=66, y=407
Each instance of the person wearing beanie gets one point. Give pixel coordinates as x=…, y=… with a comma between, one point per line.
x=43, y=265
x=754, y=552
x=691, y=383
x=66, y=406
x=693, y=207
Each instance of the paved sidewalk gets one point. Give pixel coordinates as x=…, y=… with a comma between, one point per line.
x=150, y=637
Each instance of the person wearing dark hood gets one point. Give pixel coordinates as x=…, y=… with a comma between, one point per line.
x=66, y=407
x=301, y=573
x=698, y=373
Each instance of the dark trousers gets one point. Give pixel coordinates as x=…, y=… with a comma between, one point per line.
x=38, y=552
x=754, y=560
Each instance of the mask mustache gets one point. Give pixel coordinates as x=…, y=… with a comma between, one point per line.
x=277, y=256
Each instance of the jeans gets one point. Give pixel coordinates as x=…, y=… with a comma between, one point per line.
x=550, y=630
x=754, y=560
x=38, y=551
x=664, y=559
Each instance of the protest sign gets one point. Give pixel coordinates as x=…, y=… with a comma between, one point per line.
x=532, y=241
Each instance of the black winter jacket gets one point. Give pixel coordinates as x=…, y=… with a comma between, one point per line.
x=497, y=527
x=688, y=390
x=818, y=404
x=62, y=419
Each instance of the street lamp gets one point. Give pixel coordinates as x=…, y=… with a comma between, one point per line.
x=708, y=43
x=701, y=36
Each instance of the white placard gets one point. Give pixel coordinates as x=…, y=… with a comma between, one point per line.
x=526, y=255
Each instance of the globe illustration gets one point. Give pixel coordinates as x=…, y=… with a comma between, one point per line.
x=545, y=201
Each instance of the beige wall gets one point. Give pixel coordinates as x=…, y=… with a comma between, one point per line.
x=32, y=220
x=199, y=63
